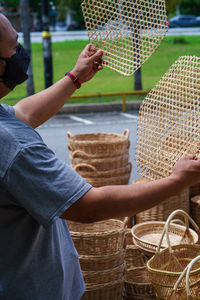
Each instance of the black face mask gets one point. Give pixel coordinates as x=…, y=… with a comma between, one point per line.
x=16, y=68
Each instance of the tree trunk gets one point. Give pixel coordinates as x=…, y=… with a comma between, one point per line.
x=138, y=80
x=25, y=25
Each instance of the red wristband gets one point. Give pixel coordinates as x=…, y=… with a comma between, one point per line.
x=74, y=79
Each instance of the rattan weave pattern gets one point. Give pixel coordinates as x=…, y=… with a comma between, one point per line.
x=128, y=31
x=169, y=118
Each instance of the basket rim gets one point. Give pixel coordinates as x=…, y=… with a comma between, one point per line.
x=107, y=271
x=149, y=223
x=144, y=268
x=104, y=256
x=75, y=137
x=106, y=233
x=169, y=273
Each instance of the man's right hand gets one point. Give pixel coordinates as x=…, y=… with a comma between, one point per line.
x=187, y=171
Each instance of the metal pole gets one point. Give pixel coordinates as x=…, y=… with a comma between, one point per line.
x=46, y=38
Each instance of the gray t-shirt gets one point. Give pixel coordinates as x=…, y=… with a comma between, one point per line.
x=38, y=260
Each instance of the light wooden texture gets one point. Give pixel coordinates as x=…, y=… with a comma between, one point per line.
x=169, y=119
x=128, y=31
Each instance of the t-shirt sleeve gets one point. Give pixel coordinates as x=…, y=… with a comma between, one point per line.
x=9, y=109
x=43, y=184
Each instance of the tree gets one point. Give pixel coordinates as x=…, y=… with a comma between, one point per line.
x=25, y=25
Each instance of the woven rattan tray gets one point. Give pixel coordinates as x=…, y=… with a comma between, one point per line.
x=128, y=31
x=147, y=235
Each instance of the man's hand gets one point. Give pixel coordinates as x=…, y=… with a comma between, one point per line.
x=187, y=171
x=88, y=64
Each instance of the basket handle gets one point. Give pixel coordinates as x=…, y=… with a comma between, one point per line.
x=79, y=153
x=70, y=147
x=69, y=134
x=126, y=133
x=187, y=218
x=186, y=272
x=90, y=168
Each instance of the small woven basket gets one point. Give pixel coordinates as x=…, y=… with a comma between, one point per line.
x=98, y=238
x=195, y=209
x=102, y=262
x=88, y=171
x=161, y=211
x=134, y=257
x=104, y=276
x=100, y=144
x=101, y=163
x=166, y=265
x=137, y=284
x=106, y=291
x=116, y=180
x=148, y=234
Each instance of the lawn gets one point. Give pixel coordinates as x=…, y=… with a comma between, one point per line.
x=66, y=53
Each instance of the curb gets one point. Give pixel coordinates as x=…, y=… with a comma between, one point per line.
x=98, y=107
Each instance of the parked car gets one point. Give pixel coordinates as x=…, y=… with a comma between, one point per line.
x=184, y=21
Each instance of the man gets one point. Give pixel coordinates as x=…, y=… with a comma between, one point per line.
x=39, y=192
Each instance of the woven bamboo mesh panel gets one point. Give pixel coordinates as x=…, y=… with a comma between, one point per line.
x=168, y=125
x=128, y=31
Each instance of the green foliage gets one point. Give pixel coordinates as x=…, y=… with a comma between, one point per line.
x=190, y=7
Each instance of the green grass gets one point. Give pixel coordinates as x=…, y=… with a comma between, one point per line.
x=65, y=55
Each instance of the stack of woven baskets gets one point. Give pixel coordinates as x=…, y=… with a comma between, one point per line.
x=100, y=246
x=161, y=211
x=101, y=158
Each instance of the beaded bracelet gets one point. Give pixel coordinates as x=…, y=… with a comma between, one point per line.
x=74, y=79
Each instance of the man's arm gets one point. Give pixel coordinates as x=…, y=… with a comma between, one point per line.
x=127, y=200
x=38, y=108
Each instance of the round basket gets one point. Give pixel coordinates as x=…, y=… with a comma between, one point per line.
x=161, y=211
x=147, y=236
x=137, y=284
x=88, y=171
x=134, y=257
x=101, y=163
x=104, y=276
x=98, y=238
x=166, y=265
x=116, y=180
x=102, y=262
x=99, y=144
x=108, y=291
x=195, y=209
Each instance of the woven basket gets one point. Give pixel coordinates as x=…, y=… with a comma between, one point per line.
x=148, y=234
x=134, y=257
x=104, y=276
x=102, y=262
x=137, y=284
x=191, y=282
x=195, y=190
x=88, y=171
x=106, y=291
x=129, y=237
x=100, y=144
x=101, y=163
x=116, y=180
x=195, y=209
x=166, y=265
x=161, y=211
x=99, y=238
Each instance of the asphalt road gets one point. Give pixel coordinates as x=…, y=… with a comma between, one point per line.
x=54, y=131
x=36, y=37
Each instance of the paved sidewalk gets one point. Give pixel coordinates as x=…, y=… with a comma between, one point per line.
x=98, y=107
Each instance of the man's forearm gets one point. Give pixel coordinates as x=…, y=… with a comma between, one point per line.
x=38, y=108
x=120, y=201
